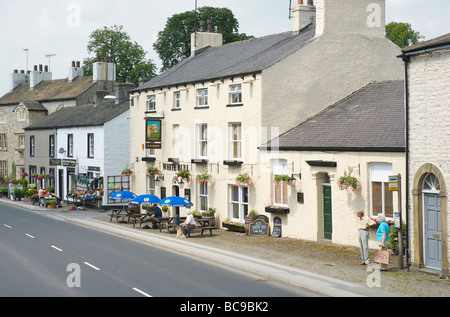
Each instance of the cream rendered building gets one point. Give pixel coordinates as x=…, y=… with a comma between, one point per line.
x=220, y=105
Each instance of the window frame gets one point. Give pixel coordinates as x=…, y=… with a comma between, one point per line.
x=32, y=145
x=202, y=144
x=279, y=167
x=151, y=103
x=240, y=202
x=201, y=100
x=379, y=173
x=51, y=145
x=233, y=93
x=3, y=142
x=90, y=145
x=232, y=142
x=202, y=195
x=176, y=100
x=70, y=145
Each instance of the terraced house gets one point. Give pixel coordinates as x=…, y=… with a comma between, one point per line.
x=210, y=114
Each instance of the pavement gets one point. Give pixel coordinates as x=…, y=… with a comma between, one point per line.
x=324, y=268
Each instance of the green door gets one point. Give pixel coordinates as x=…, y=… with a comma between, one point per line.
x=327, y=219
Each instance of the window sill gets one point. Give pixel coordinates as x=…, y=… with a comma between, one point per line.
x=176, y=109
x=149, y=159
x=150, y=111
x=201, y=107
x=235, y=105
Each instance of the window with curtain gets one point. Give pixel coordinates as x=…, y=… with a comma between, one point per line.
x=380, y=196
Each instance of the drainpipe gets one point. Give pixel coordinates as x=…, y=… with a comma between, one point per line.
x=406, y=60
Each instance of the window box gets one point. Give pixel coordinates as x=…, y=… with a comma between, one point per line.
x=277, y=210
x=232, y=162
x=148, y=159
x=232, y=227
x=199, y=161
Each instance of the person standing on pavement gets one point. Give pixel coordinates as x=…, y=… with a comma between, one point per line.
x=382, y=235
x=363, y=235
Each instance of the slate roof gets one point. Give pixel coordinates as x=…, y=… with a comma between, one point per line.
x=81, y=116
x=371, y=119
x=234, y=59
x=48, y=90
x=33, y=105
x=433, y=43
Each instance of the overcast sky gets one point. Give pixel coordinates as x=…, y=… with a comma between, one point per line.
x=62, y=27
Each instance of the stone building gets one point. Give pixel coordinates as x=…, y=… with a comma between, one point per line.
x=427, y=67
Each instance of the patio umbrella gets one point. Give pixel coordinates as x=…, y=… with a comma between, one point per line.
x=175, y=201
x=122, y=195
x=145, y=199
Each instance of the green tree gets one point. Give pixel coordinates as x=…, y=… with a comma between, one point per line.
x=174, y=42
x=402, y=34
x=129, y=56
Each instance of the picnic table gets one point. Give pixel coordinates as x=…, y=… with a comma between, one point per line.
x=206, y=224
x=124, y=211
x=170, y=222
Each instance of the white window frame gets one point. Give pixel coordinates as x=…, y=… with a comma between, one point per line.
x=177, y=100
x=32, y=145
x=202, y=191
x=379, y=172
x=151, y=185
x=151, y=103
x=232, y=142
x=70, y=145
x=51, y=145
x=202, y=97
x=235, y=94
x=90, y=145
x=240, y=202
x=279, y=167
x=202, y=140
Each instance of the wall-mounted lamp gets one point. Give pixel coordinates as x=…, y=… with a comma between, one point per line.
x=292, y=180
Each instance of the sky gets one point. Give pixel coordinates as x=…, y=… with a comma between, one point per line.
x=61, y=28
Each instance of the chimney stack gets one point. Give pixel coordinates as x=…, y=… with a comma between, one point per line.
x=303, y=15
x=40, y=75
x=18, y=78
x=203, y=39
x=75, y=71
x=104, y=69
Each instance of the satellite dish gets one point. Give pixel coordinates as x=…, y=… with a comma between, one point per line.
x=61, y=150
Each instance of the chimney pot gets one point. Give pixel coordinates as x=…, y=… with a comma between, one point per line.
x=40, y=67
x=22, y=72
x=310, y=2
x=46, y=68
x=15, y=71
x=35, y=68
x=209, y=22
x=78, y=64
x=202, y=26
x=73, y=63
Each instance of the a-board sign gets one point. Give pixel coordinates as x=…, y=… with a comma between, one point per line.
x=276, y=231
x=259, y=226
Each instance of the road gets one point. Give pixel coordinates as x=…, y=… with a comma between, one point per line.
x=47, y=257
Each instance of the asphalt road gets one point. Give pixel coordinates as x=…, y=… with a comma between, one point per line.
x=46, y=257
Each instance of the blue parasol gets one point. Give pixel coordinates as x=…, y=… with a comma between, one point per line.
x=145, y=199
x=122, y=195
x=175, y=201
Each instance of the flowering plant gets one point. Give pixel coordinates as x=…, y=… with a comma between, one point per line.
x=278, y=179
x=228, y=221
x=127, y=172
x=203, y=178
x=24, y=174
x=151, y=171
x=35, y=175
x=274, y=206
x=185, y=175
x=348, y=182
x=244, y=180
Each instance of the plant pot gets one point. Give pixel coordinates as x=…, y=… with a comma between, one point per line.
x=233, y=227
x=277, y=210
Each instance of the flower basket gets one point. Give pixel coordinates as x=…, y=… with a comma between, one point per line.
x=153, y=171
x=243, y=180
x=233, y=226
x=276, y=209
x=127, y=172
x=203, y=178
x=278, y=179
x=184, y=174
x=348, y=182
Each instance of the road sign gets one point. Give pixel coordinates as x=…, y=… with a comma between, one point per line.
x=393, y=183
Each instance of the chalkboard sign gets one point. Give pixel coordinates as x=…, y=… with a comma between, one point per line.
x=276, y=232
x=259, y=227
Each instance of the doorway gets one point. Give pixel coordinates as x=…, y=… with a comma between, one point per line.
x=432, y=222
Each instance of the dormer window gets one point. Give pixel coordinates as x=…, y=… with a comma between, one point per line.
x=21, y=114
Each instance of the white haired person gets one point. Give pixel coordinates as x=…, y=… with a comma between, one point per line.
x=363, y=235
x=188, y=225
x=382, y=234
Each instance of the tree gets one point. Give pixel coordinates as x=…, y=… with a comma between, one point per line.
x=174, y=42
x=402, y=34
x=129, y=56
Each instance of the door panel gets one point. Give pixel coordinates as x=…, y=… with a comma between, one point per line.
x=432, y=228
x=327, y=212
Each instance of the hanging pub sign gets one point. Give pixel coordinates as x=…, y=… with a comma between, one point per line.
x=152, y=133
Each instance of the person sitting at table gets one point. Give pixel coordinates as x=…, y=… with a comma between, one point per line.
x=188, y=225
x=156, y=216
